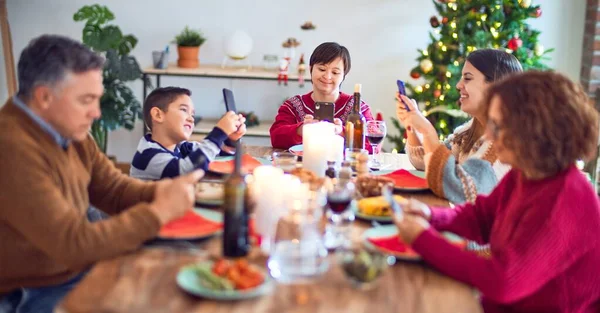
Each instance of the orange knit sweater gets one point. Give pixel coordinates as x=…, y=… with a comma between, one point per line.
x=45, y=191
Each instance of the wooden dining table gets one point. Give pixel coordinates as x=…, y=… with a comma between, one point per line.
x=144, y=281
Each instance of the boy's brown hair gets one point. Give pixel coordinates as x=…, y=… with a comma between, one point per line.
x=161, y=98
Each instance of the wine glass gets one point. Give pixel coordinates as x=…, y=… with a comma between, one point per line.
x=376, y=131
x=339, y=197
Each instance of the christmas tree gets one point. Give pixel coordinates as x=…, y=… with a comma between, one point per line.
x=462, y=27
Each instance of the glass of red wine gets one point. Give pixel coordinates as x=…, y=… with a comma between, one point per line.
x=339, y=197
x=376, y=131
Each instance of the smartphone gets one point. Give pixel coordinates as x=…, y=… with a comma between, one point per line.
x=402, y=91
x=324, y=111
x=229, y=100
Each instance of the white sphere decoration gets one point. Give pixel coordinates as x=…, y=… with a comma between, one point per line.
x=239, y=45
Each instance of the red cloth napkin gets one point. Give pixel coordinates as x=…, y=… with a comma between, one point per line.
x=404, y=179
x=194, y=225
x=226, y=167
x=190, y=225
x=393, y=245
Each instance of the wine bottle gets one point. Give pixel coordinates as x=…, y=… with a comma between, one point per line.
x=355, y=123
x=235, y=214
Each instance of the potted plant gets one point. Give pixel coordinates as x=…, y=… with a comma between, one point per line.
x=118, y=104
x=188, y=47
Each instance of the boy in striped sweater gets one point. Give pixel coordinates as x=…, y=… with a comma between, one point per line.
x=165, y=151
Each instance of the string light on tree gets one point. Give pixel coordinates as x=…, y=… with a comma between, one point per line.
x=538, y=49
x=418, y=89
x=442, y=98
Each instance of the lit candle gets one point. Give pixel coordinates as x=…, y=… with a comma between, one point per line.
x=316, y=141
x=336, y=150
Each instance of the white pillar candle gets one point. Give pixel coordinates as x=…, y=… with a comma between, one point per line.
x=336, y=150
x=316, y=140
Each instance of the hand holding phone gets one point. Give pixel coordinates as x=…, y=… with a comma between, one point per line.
x=324, y=111
x=402, y=92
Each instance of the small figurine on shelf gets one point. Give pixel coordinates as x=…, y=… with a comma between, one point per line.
x=283, y=71
x=301, y=70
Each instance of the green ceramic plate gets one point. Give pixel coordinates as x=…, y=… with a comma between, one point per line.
x=414, y=172
x=209, y=193
x=188, y=280
x=208, y=214
x=367, y=217
x=391, y=230
x=297, y=150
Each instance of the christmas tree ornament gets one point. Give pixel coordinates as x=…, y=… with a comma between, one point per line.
x=515, y=43
x=445, y=20
x=426, y=65
x=415, y=74
x=435, y=23
x=537, y=13
x=538, y=49
x=525, y=3
x=437, y=93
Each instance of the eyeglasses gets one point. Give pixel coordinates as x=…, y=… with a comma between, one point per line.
x=494, y=128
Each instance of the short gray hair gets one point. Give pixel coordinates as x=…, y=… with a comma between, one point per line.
x=48, y=59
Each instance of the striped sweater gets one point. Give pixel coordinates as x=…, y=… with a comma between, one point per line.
x=153, y=161
x=291, y=116
x=457, y=176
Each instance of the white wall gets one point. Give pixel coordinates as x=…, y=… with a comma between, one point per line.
x=382, y=36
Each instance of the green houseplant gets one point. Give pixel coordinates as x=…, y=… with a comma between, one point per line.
x=188, y=47
x=118, y=104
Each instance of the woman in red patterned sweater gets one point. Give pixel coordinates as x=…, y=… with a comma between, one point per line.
x=329, y=64
x=542, y=221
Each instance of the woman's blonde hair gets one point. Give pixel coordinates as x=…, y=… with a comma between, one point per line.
x=494, y=65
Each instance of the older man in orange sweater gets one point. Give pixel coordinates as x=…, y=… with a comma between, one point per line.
x=51, y=171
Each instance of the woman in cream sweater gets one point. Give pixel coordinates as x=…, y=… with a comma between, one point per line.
x=465, y=164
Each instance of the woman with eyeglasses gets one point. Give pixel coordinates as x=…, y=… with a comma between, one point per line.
x=542, y=221
x=465, y=164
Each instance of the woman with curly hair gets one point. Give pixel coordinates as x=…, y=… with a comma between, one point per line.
x=465, y=164
x=542, y=221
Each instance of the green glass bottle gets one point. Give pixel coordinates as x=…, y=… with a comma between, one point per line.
x=235, y=214
x=356, y=123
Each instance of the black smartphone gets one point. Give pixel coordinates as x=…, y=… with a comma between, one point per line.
x=402, y=91
x=229, y=100
x=324, y=111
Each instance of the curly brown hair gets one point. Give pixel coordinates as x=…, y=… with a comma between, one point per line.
x=548, y=121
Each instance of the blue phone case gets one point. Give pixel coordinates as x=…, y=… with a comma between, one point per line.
x=402, y=91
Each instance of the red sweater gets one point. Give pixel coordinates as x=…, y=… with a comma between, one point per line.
x=544, y=242
x=291, y=115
